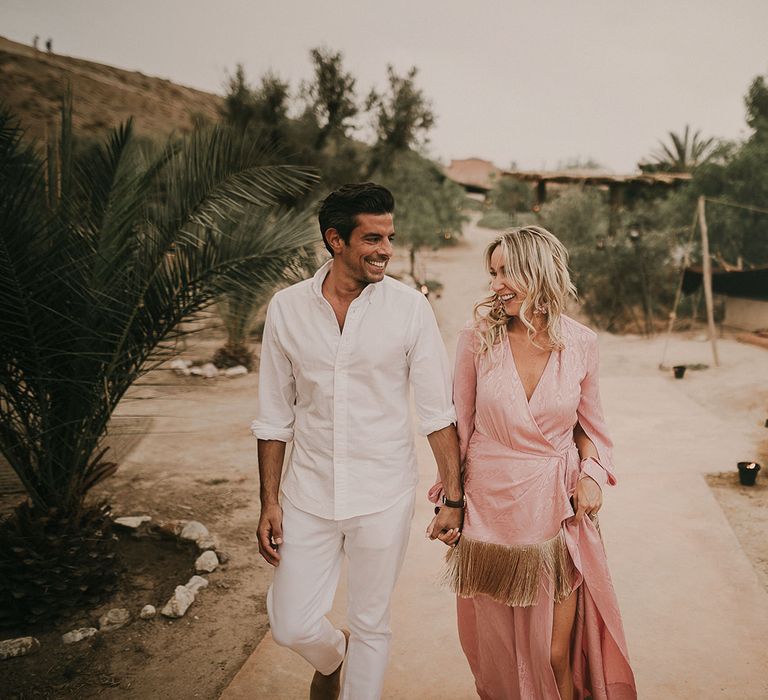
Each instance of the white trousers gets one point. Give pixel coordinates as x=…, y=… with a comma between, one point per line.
x=305, y=583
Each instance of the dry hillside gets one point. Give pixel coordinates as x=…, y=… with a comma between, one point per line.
x=32, y=82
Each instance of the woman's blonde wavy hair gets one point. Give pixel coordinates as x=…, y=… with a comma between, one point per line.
x=536, y=264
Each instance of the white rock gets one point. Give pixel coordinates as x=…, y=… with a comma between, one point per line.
x=236, y=371
x=209, y=542
x=196, y=371
x=179, y=602
x=207, y=561
x=180, y=367
x=133, y=521
x=209, y=370
x=78, y=635
x=148, y=612
x=194, y=531
x=113, y=619
x=20, y=646
x=195, y=584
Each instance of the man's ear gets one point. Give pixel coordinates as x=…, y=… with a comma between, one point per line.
x=334, y=239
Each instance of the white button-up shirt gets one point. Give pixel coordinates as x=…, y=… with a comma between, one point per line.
x=343, y=396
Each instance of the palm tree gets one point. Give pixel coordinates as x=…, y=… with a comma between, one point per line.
x=101, y=258
x=239, y=303
x=683, y=154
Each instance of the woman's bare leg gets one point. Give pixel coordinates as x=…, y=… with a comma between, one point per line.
x=560, y=652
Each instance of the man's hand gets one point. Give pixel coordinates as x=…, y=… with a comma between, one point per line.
x=588, y=498
x=270, y=533
x=446, y=525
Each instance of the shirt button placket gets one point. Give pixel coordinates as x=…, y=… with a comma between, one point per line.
x=340, y=417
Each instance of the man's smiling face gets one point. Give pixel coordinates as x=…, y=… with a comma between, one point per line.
x=369, y=250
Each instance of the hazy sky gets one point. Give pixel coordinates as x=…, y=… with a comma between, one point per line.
x=537, y=83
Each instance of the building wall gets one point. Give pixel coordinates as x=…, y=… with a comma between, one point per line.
x=746, y=314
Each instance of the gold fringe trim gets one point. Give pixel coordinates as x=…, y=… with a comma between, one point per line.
x=509, y=575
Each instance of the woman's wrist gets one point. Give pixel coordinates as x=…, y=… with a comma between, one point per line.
x=589, y=466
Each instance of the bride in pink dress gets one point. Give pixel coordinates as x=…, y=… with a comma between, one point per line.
x=537, y=614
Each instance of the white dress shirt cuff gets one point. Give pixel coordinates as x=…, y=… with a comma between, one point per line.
x=269, y=432
x=432, y=425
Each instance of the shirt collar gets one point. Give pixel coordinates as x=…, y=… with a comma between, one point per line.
x=319, y=277
x=322, y=273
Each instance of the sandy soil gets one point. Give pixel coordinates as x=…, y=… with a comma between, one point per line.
x=185, y=452
x=746, y=508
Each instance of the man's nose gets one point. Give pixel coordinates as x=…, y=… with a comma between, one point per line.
x=385, y=248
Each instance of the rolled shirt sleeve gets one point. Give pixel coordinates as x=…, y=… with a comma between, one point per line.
x=429, y=371
x=277, y=386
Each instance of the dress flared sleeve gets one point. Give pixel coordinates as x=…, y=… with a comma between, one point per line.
x=464, y=388
x=591, y=419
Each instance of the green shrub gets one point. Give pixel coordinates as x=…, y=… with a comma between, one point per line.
x=495, y=219
x=626, y=282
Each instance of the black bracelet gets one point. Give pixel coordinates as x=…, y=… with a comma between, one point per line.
x=455, y=504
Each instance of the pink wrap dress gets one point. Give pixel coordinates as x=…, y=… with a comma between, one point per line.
x=520, y=549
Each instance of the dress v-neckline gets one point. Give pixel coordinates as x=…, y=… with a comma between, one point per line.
x=520, y=379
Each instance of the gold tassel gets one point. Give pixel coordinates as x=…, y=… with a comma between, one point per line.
x=509, y=575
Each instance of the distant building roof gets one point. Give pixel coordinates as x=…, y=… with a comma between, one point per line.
x=597, y=177
x=473, y=173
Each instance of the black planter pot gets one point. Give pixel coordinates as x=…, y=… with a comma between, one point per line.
x=748, y=473
x=679, y=371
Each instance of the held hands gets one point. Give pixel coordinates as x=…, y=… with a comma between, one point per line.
x=446, y=525
x=587, y=499
x=270, y=533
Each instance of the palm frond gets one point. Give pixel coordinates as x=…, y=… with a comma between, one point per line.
x=285, y=255
x=91, y=289
x=684, y=152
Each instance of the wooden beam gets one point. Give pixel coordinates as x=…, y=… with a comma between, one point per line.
x=707, y=279
x=615, y=200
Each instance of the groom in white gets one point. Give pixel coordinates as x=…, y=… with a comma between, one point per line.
x=340, y=353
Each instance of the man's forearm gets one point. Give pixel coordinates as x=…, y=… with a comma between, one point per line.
x=445, y=447
x=271, y=456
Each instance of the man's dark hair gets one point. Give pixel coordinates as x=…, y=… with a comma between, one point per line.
x=340, y=208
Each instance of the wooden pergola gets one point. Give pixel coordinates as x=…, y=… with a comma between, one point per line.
x=617, y=185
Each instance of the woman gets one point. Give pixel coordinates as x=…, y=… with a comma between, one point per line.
x=537, y=614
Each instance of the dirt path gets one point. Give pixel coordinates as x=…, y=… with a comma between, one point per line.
x=696, y=616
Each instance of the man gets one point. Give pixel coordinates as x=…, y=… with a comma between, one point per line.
x=340, y=352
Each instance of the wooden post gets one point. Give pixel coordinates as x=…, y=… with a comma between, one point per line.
x=707, y=278
x=541, y=192
x=615, y=200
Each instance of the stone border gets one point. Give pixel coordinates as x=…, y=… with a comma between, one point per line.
x=209, y=558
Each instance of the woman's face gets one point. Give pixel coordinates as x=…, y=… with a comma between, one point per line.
x=510, y=294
